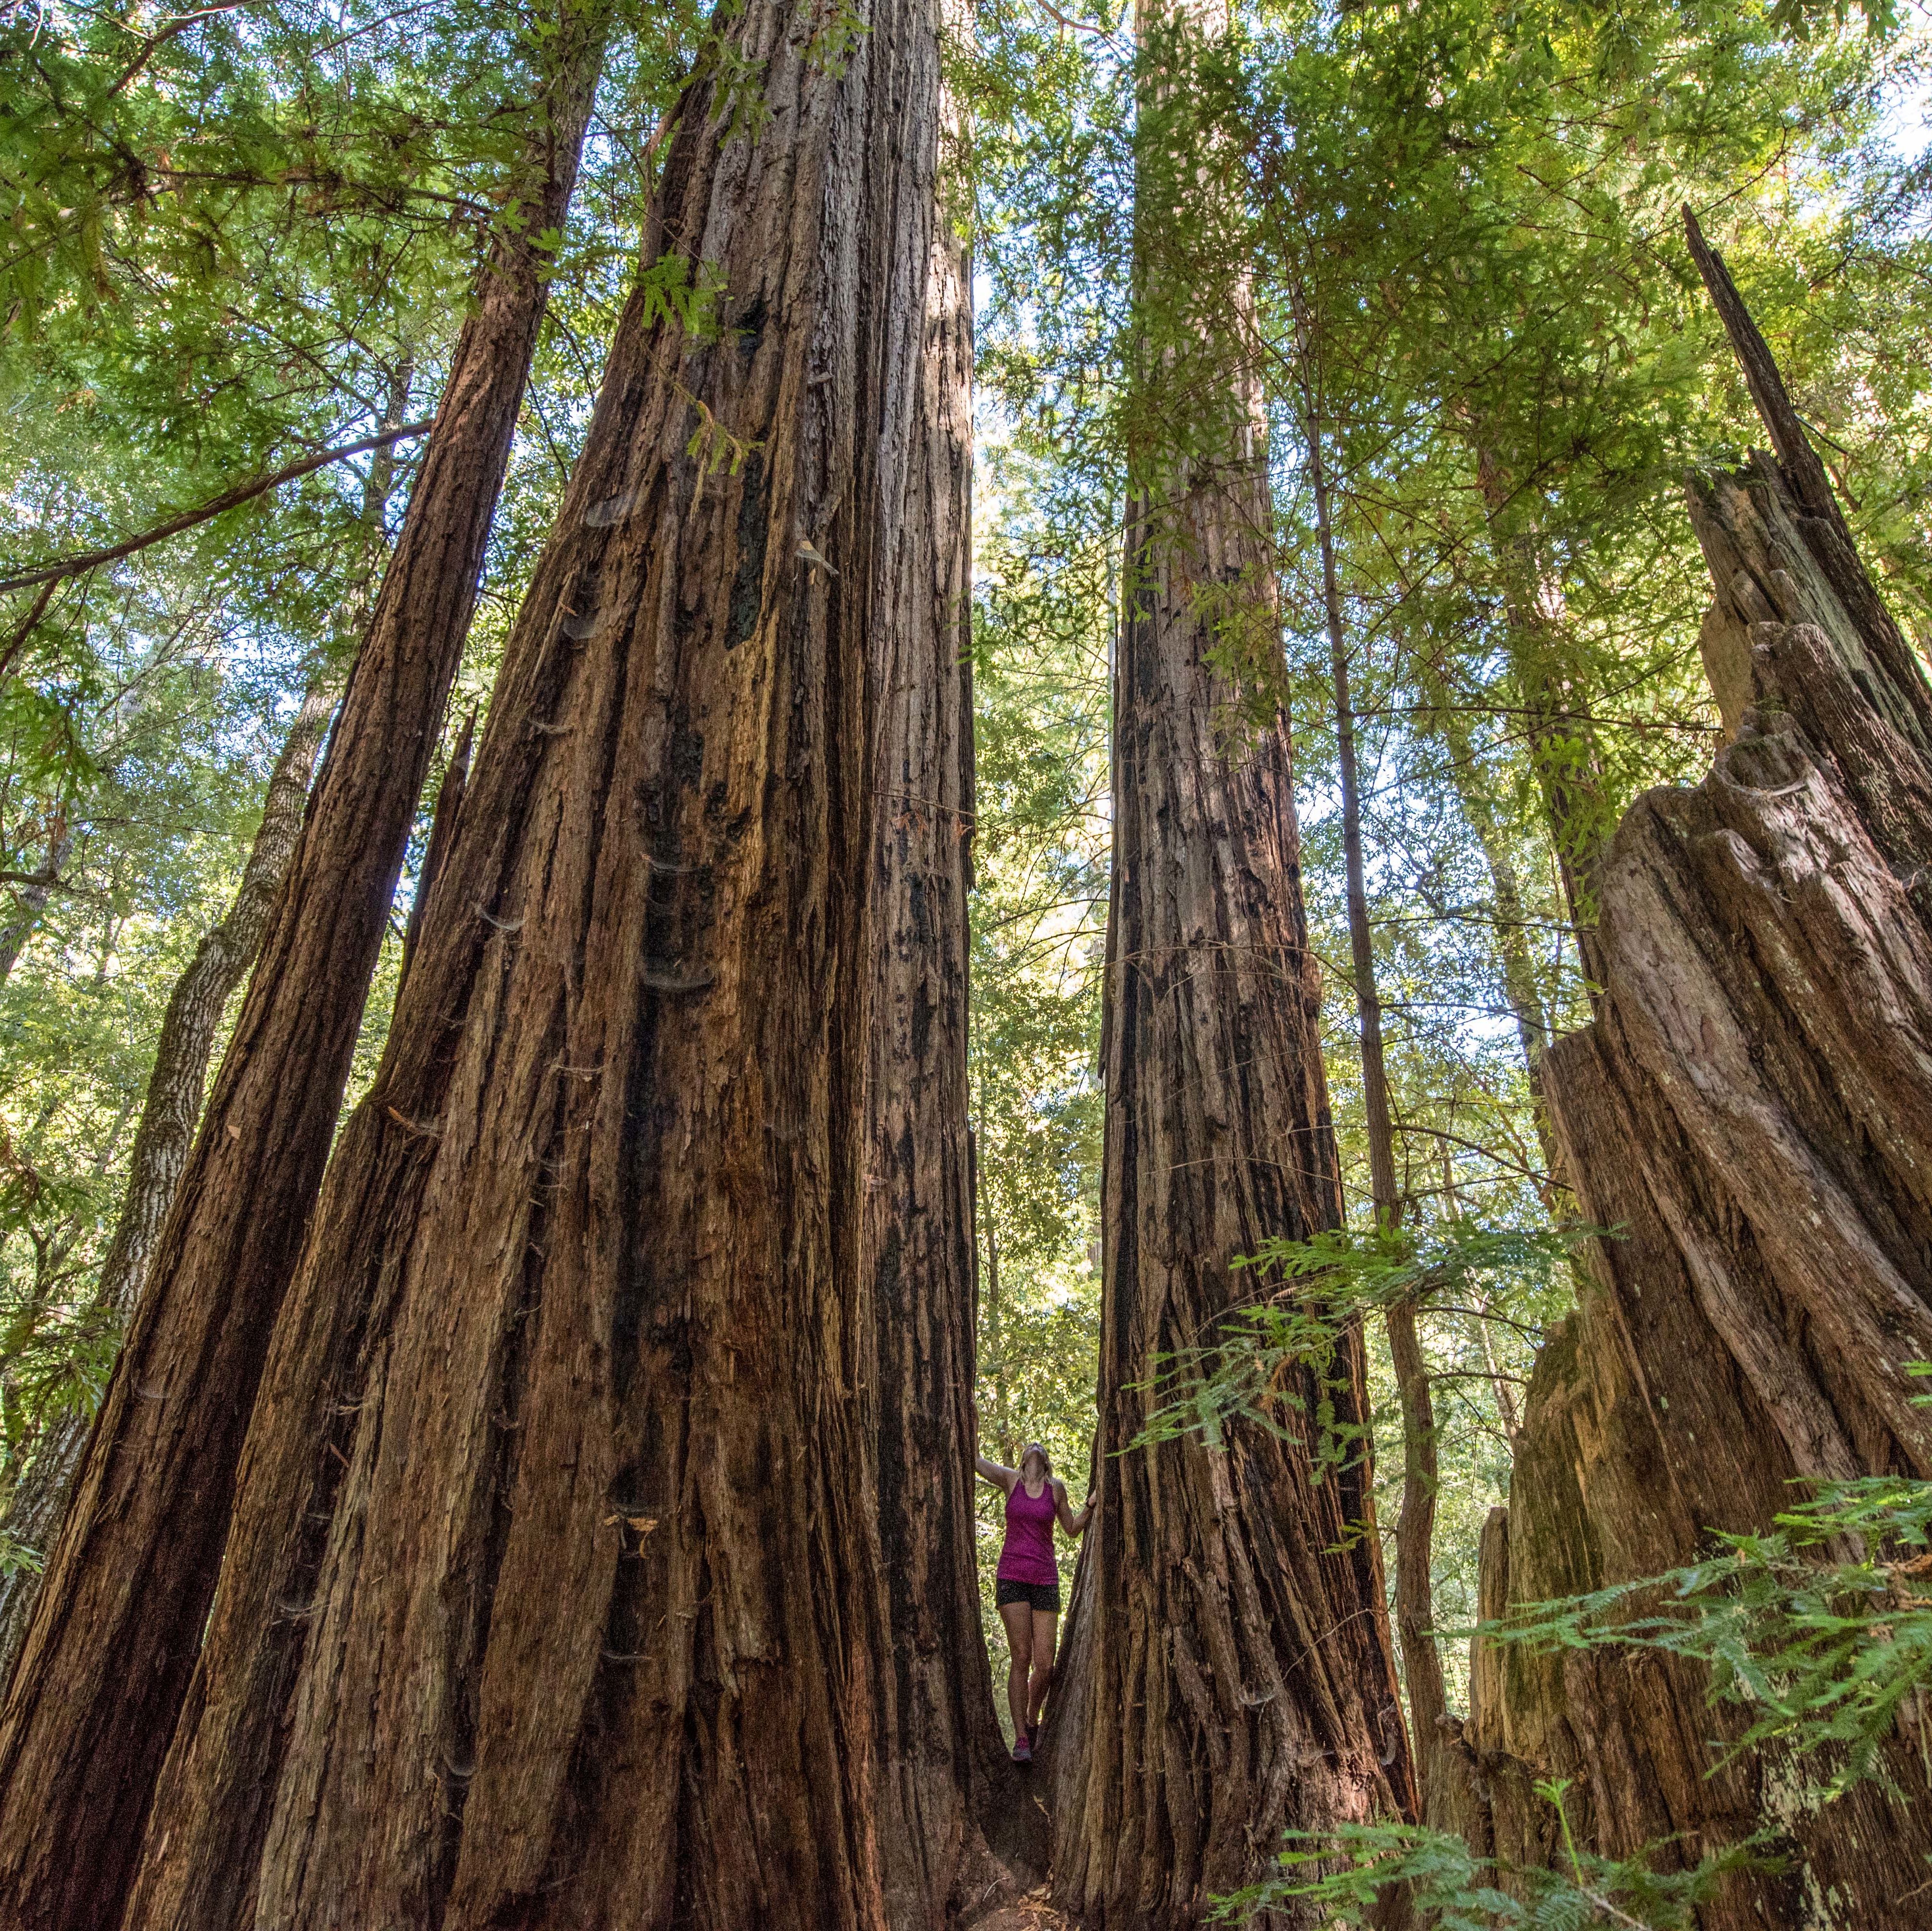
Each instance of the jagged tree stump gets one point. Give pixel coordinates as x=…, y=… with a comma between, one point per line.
x=1752, y=1109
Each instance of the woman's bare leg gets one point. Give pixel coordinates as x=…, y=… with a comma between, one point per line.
x=1018, y=1618
x=1045, y=1621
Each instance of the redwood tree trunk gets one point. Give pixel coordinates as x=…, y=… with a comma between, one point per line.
x=83, y=1733
x=169, y=1114
x=1753, y=1108
x=938, y=1731
x=1227, y=1673
x=557, y=1594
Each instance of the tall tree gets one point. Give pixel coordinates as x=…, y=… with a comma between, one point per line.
x=178, y=1083
x=1228, y=1672
x=937, y=1729
x=169, y=1117
x=561, y=1535
x=134, y=1567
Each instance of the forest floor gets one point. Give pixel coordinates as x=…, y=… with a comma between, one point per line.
x=1016, y=1848
x=1030, y=1913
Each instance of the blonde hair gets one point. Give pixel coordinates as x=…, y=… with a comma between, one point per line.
x=1038, y=1448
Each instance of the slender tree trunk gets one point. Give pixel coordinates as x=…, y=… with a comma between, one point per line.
x=1228, y=1671
x=1519, y=971
x=1751, y=1109
x=30, y=900
x=560, y=1546
x=1558, y=725
x=1563, y=754
x=1415, y=1530
x=171, y=1107
x=166, y=1130
x=82, y=1735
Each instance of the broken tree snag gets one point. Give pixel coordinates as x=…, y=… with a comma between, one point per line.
x=83, y=1735
x=1228, y=1672
x=1753, y=1108
x=556, y=1593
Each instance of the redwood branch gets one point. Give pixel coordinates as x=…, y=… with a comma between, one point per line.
x=51, y=574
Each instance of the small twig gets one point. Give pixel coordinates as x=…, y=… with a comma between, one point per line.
x=154, y=45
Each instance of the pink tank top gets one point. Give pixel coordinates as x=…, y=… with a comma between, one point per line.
x=1027, y=1555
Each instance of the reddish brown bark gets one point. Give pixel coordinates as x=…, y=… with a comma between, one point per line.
x=1753, y=1108
x=1227, y=1672
x=557, y=1593
x=918, y=1199
x=84, y=1729
x=169, y=1113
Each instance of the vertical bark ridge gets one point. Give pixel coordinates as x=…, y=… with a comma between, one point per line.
x=81, y=1740
x=1753, y=1106
x=917, y=1186
x=169, y=1116
x=578, y=1614
x=1228, y=1671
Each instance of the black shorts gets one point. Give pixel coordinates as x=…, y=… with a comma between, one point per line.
x=1041, y=1595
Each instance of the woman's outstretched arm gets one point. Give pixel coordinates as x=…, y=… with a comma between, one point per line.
x=1072, y=1523
x=995, y=1472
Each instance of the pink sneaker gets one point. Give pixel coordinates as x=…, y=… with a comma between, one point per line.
x=1023, y=1750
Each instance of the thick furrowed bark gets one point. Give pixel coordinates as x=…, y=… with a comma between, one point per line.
x=82, y=1737
x=169, y=1116
x=918, y=1204
x=1753, y=1108
x=1227, y=1673
x=557, y=1594
x=1226, y=1677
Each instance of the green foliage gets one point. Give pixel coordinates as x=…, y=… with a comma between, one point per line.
x=233, y=235
x=671, y=292
x=1344, y=1877
x=240, y=233
x=1269, y=1358
x=1821, y=1628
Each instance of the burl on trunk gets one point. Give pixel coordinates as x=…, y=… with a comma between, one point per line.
x=605, y=1515
x=1753, y=1110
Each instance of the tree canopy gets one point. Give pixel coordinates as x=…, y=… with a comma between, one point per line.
x=1444, y=255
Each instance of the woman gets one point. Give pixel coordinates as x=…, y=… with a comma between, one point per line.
x=1027, y=1589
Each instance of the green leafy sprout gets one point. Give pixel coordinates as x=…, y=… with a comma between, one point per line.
x=1345, y=1875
